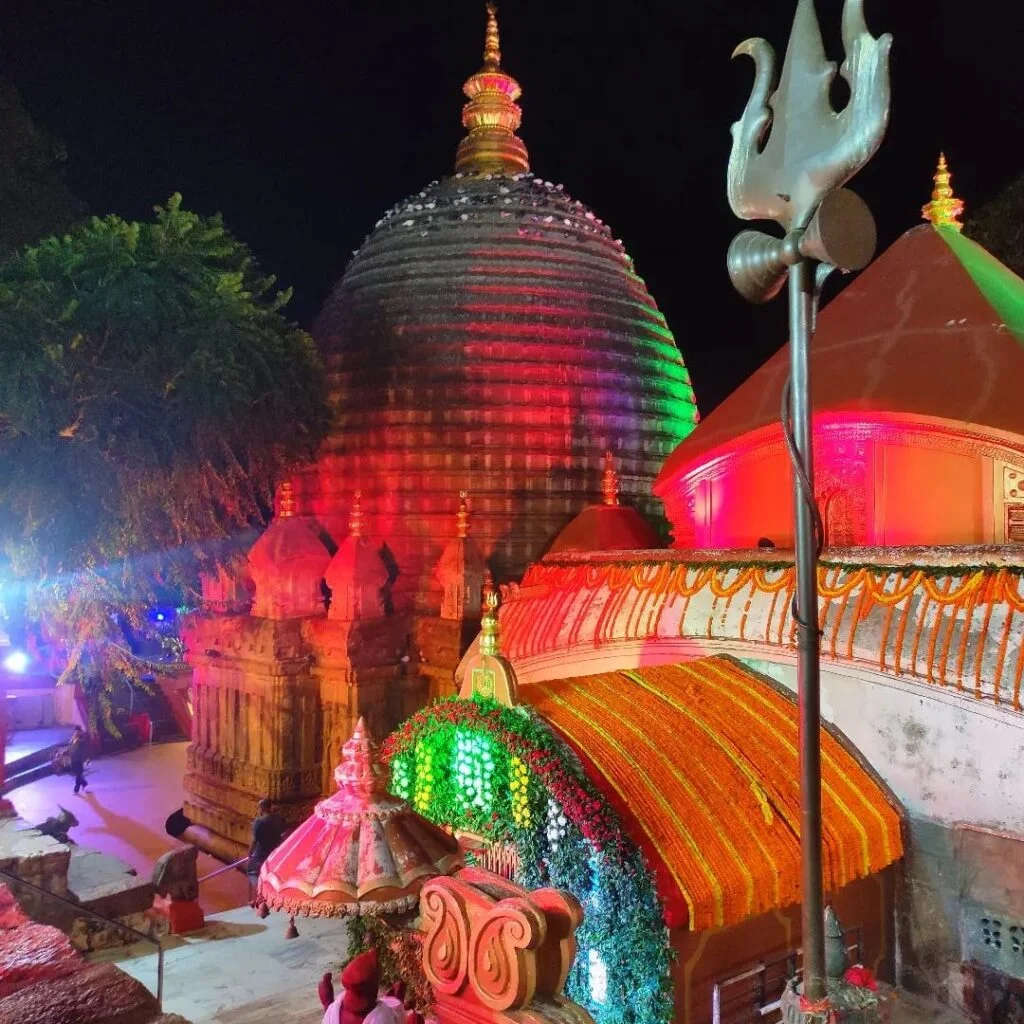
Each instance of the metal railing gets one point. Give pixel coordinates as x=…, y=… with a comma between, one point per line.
x=227, y=867
x=81, y=911
x=758, y=990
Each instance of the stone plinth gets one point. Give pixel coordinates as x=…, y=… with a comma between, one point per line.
x=34, y=858
x=848, y=1004
x=43, y=979
x=93, y=995
x=32, y=953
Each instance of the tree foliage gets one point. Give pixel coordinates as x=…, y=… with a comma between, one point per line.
x=999, y=226
x=151, y=394
x=33, y=196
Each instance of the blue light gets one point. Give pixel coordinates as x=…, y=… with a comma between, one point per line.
x=162, y=614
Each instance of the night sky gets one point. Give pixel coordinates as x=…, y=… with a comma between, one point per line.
x=303, y=125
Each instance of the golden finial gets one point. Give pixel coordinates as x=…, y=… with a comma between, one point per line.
x=944, y=209
x=492, y=116
x=489, y=619
x=610, y=480
x=285, y=501
x=492, y=47
x=462, y=517
x=355, y=516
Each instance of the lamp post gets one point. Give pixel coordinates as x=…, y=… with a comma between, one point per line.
x=791, y=154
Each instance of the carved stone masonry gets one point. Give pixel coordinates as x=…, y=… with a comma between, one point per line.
x=495, y=953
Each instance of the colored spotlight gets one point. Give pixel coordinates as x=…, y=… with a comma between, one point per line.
x=17, y=662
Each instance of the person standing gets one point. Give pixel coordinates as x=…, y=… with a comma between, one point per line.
x=267, y=832
x=76, y=758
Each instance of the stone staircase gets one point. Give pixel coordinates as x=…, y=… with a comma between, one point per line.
x=45, y=980
x=31, y=766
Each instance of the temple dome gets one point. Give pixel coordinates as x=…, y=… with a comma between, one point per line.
x=491, y=336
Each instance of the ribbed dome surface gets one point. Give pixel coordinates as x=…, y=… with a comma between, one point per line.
x=491, y=336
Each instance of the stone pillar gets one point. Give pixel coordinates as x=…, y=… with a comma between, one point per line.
x=256, y=727
x=257, y=704
x=356, y=668
x=441, y=642
x=358, y=649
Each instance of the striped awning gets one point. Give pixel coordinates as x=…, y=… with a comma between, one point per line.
x=701, y=761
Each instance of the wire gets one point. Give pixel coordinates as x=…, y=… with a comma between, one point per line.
x=806, y=494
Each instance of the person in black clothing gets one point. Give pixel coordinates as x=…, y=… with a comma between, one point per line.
x=267, y=833
x=76, y=757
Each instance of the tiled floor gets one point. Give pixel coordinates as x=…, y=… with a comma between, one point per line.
x=130, y=798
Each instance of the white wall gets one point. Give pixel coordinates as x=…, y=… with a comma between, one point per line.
x=943, y=758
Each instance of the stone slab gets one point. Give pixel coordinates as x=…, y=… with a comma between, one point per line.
x=19, y=841
x=95, y=995
x=34, y=953
x=106, y=885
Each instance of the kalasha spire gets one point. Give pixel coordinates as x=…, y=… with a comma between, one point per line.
x=492, y=115
x=610, y=481
x=355, y=516
x=285, y=501
x=944, y=209
x=462, y=517
x=489, y=641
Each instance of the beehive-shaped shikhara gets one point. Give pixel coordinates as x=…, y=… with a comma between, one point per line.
x=491, y=336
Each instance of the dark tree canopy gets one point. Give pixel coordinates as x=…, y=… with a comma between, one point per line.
x=999, y=226
x=34, y=200
x=151, y=395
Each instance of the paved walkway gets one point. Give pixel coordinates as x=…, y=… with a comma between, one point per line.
x=130, y=798
x=248, y=972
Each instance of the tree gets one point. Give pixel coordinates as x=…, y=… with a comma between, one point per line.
x=999, y=226
x=151, y=395
x=34, y=200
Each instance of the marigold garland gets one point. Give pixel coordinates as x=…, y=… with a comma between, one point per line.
x=631, y=728
x=591, y=856
x=606, y=587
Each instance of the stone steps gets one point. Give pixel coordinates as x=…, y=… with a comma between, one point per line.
x=45, y=980
x=31, y=767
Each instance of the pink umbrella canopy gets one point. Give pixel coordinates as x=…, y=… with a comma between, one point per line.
x=362, y=851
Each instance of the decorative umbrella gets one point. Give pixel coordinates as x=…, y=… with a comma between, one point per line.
x=362, y=851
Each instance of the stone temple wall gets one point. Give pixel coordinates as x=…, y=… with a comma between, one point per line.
x=274, y=700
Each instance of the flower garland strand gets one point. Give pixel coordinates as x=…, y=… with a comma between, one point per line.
x=538, y=778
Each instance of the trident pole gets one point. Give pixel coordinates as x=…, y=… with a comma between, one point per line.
x=805, y=610
x=791, y=155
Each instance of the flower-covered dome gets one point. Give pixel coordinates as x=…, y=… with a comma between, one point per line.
x=491, y=336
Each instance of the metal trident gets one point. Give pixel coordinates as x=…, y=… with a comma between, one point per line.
x=791, y=153
x=810, y=149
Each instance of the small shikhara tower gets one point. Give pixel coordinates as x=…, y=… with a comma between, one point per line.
x=490, y=339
